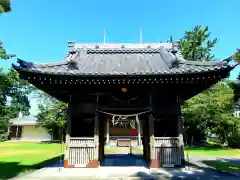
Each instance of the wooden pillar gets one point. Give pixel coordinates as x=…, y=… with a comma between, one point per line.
x=107, y=132
x=180, y=137
x=68, y=136
x=145, y=144
x=95, y=162
x=139, y=131
x=102, y=135
x=180, y=130
x=154, y=163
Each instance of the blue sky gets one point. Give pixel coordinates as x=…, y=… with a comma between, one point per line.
x=38, y=30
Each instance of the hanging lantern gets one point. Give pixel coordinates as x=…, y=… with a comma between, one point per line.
x=124, y=90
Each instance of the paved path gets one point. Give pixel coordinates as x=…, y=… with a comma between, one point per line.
x=124, y=160
x=126, y=173
x=129, y=168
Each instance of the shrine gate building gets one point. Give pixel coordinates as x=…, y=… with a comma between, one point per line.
x=147, y=82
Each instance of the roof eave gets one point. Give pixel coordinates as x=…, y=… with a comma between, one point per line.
x=34, y=72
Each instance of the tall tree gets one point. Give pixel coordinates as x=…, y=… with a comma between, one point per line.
x=235, y=85
x=3, y=53
x=13, y=98
x=52, y=115
x=211, y=112
x=196, y=46
x=5, y=6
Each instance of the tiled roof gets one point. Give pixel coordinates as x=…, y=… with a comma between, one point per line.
x=25, y=120
x=121, y=60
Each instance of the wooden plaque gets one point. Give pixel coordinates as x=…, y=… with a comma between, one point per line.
x=124, y=142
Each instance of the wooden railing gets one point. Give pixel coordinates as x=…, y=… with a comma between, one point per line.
x=166, y=141
x=81, y=151
x=81, y=140
x=168, y=151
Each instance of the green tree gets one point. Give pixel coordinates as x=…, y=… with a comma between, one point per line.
x=5, y=6
x=234, y=138
x=211, y=112
x=3, y=53
x=13, y=98
x=196, y=46
x=235, y=85
x=53, y=116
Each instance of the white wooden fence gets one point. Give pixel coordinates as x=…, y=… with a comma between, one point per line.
x=81, y=151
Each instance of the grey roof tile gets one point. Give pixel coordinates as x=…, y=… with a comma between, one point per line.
x=121, y=61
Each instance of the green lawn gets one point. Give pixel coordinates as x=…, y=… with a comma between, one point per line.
x=209, y=151
x=212, y=151
x=19, y=157
x=117, y=150
x=224, y=166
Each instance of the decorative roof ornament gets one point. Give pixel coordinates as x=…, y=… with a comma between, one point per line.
x=24, y=64
x=174, y=51
x=71, y=44
x=171, y=39
x=225, y=61
x=72, y=59
x=235, y=57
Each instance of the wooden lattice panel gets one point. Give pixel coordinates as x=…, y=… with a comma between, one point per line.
x=168, y=155
x=168, y=151
x=81, y=151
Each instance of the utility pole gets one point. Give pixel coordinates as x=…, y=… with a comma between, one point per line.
x=104, y=36
x=140, y=35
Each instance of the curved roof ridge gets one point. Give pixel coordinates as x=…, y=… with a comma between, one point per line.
x=167, y=58
x=206, y=63
x=118, y=45
x=198, y=63
x=122, y=50
x=51, y=64
x=27, y=64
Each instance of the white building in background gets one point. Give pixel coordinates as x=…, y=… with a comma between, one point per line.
x=24, y=128
x=236, y=110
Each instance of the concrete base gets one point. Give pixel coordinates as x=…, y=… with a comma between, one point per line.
x=66, y=165
x=154, y=163
x=93, y=164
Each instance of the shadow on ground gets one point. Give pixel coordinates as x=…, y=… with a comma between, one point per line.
x=12, y=169
x=205, y=148
x=230, y=165
x=124, y=160
x=191, y=172
x=51, y=142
